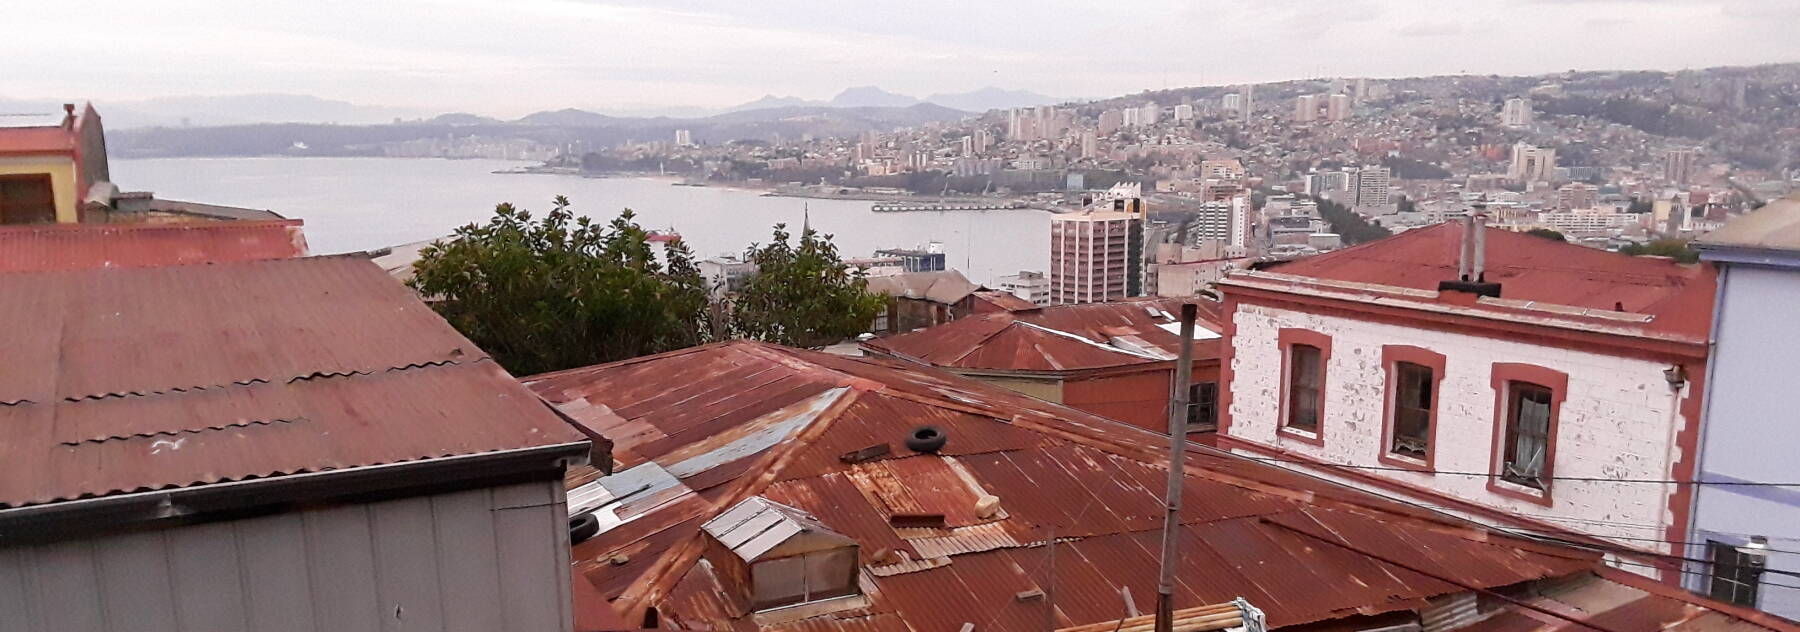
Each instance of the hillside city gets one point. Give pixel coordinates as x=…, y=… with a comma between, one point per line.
x=1460, y=353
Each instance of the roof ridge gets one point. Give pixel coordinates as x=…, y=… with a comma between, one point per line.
x=175, y=390
x=180, y=431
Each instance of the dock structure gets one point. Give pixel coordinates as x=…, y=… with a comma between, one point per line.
x=896, y=207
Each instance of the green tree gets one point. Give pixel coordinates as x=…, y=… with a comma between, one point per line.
x=1672, y=248
x=562, y=292
x=802, y=295
x=1547, y=234
x=1353, y=228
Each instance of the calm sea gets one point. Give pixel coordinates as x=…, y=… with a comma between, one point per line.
x=354, y=204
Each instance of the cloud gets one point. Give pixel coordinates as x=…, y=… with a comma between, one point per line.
x=1430, y=29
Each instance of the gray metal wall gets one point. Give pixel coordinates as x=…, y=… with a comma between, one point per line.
x=488, y=560
x=1752, y=427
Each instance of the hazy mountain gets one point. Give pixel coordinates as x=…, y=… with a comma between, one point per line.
x=568, y=117
x=243, y=109
x=461, y=119
x=871, y=96
x=991, y=98
x=769, y=101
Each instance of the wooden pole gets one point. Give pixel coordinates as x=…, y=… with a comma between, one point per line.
x=1178, y=412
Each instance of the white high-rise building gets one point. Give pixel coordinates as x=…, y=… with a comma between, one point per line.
x=1516, y=112
x=1249, y=101
x=1097, y=256
x=683, y=138
x=1678, y=165
x=968, y=145
x=1224, y=221
x=1369, y=186
x=1233, y=103
x=1149, y=114
x=1131, y=117
x=1337, y=107
x=1306, y=108
x=982, y=140
x=1531, y=163
x=1090, y=144
x=1184, y=112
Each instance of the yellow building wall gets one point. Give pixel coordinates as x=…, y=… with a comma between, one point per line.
x=62, y=180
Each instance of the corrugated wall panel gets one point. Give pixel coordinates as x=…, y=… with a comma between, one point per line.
x=66, y=584
x=467, y=562
x=134, y=581
x=340, y=556
x=406, y=573
x=209, y=582
x=273, y=562
x=481, y=560
x=12, y=593
x=528, y=547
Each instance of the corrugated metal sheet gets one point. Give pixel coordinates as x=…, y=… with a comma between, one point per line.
x=1092, y=485
x=151, y=378
x=82, y=246
x=1058, y=338
x=1530, y=269
x=1620, y=602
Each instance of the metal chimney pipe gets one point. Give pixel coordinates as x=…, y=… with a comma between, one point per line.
x=1479, y=270
x=1466, y=251
x=1178, y=408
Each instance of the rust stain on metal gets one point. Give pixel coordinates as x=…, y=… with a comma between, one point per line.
x=1092, y=484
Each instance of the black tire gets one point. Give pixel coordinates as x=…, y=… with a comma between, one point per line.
x=583, y=527
x=926, y=439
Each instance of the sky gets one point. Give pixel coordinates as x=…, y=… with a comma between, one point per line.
x=512, y=57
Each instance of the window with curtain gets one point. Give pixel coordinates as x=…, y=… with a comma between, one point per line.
x=1305, y=379
x=1527, y=434
x=1412, y=393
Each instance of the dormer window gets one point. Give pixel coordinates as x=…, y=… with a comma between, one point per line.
x=771, y=556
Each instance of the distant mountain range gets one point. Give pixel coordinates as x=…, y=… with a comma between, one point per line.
x=211, y=111
x=251, y=109
x=980, y=100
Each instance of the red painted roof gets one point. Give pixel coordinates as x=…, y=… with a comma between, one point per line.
x=121, y=380
x=1530, y=268
x=78, y=246
x=701, y=429
x=1055, y=338
x=36, y=140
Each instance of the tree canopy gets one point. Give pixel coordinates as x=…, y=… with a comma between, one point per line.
x=1353, y=228
x=1673, y=248
x=562, y=292
x=802, y=295
x=1547, y=234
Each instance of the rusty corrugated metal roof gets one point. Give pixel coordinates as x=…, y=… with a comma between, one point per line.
x=80, y=246
x=1622, y=602
x=150, y=378
x=1091, y=485
x=1059, y=338
x=1529, y=268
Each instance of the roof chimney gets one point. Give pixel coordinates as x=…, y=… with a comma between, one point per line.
x=1471, y=259
x=68, y=116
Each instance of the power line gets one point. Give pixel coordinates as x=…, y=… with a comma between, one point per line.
x=1711, y=576
x=1587, y=479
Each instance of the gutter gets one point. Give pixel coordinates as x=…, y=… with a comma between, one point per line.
x=279, y=493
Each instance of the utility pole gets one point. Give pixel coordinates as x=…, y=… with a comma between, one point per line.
x=1178, y=409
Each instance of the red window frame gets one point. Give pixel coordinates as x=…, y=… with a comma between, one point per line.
x=1286, y=338
x=1558, y=383
x=1391, y=355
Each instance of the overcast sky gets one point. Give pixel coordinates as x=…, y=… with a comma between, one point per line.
x=510, y=57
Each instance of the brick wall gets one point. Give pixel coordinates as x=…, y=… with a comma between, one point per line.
x=1618, y=421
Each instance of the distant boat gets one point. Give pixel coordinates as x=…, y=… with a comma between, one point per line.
x=688, y=184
